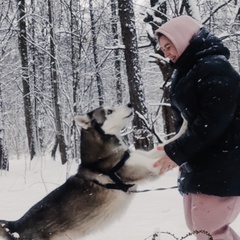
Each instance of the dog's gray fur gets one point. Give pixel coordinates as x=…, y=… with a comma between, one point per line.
x=96, y=195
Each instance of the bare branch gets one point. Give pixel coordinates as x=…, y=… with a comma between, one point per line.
x=215, y=10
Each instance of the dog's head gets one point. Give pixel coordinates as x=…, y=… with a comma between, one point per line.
x=110, y=120
x=101, y=145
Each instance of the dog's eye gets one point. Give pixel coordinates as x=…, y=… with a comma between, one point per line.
x=109, y=111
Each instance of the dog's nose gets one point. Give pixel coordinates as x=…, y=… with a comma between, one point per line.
x=129, y=105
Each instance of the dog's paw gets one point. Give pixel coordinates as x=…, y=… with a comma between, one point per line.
x=152, y=163
x=156, y=169
x=155, y=153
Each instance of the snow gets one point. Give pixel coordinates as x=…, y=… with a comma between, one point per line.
x=149, y=212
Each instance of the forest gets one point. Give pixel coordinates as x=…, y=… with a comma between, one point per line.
x=66, y=57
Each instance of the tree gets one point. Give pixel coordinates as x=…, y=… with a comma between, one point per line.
x=156, y=18
x=160, y=16
x=60, y=140
x=142, y=138
x=117, y=62
x=95, y=54
x=4, y=162
x=76, y=48
x=23, y=50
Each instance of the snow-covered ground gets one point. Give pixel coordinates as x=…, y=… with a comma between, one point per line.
x=26, y=184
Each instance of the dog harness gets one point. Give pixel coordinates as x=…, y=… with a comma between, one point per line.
x=112, y=174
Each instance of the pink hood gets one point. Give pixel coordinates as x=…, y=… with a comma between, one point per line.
x=180, y=31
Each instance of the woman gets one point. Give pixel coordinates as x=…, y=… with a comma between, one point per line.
x=205, y=89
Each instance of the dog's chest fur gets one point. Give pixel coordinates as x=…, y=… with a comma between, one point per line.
x=105, y=152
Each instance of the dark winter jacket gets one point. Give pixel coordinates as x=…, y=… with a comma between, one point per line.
x=206, y=90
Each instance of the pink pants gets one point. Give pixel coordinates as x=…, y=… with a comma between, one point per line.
x=212, y=214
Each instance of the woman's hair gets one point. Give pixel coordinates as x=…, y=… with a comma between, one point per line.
x=158, y=34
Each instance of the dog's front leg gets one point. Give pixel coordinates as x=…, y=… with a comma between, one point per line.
x=152, y=154
x=140, y=165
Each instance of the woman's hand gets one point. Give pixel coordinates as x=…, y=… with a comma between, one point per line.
x=165, y=162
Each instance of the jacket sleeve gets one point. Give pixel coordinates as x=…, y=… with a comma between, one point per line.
x=218, y=98
x=177, y=119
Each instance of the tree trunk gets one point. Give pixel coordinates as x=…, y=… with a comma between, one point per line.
x=37, y=130
x=4, y=163
x=191, y=9
x=95, y=55
x=22, y=45
x=75, y=59
x=142, y=138
x=117, y=62
x=164, y=66
x=55, y=88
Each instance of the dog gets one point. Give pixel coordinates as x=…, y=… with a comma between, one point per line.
x=101, y=189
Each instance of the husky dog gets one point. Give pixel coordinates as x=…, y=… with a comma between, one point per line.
x=101, y=189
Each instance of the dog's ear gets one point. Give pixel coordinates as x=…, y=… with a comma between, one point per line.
x=99, y=116
x=83, y=121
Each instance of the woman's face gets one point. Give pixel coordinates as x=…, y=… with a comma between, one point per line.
x=168, y=48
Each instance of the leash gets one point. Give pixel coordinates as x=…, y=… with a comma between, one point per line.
x=151, y=190
x=157, y=234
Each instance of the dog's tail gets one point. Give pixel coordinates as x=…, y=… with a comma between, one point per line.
x=5, y=234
